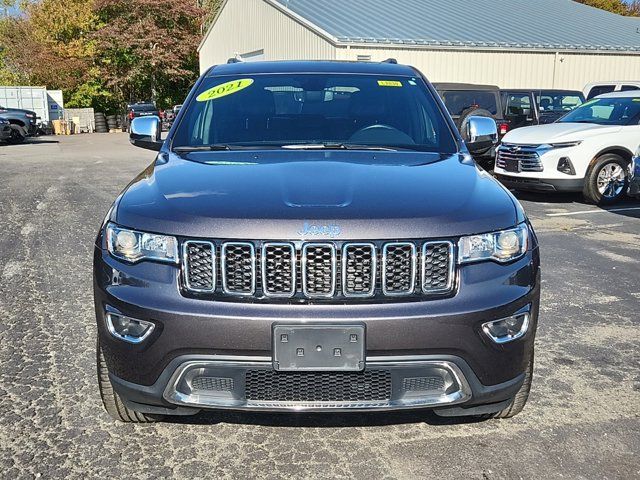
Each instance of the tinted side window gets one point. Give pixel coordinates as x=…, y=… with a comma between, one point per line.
x=599, y=90
x=457, y=101
x=518, y=104
x=628, y=88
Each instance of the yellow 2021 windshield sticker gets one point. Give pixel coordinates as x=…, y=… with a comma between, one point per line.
x=224, y=89
x=389, y=83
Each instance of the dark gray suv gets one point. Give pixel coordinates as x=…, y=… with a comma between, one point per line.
x=315, y=236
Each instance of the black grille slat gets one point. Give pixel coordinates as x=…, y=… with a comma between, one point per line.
x=359, y=270
x=279, y=269
x=238, y=268
x=199, y=266
x=437, y=262
x=319, y=269
x=273, y=386
x=399, y=268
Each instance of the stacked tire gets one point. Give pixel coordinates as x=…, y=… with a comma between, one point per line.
x=112, y=122
x=101, y=123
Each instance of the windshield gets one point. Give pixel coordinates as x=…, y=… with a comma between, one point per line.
x=147, y=107
x=606, y=111
x=289, y=110
x=457, y=101
x=558, y=102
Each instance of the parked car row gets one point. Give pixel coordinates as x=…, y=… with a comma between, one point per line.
x=17, y=124
x=589, y=150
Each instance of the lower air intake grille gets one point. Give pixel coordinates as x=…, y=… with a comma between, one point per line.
x=272, y=386
x=216, y=384
x=422, y=384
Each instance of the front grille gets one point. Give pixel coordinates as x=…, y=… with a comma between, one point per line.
x=199, y=266
x=521, y=158
x=359, y=269
x=279, y=269
x=238, y=268
x=437, y=268
x=318, y=271
x=272, y=386
x=398, y=268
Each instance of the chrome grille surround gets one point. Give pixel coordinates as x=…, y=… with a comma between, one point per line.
x=270, y=272
x=332, y=270
x=442, y=267
x=196, y=273
x=238, y=275
x=405, y=252
x=355, y=286
x=527, y=156
x=314, y=275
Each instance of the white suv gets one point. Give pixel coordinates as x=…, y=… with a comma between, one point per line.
x=587, y=150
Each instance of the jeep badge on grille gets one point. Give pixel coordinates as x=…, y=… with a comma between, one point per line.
x=311, y=230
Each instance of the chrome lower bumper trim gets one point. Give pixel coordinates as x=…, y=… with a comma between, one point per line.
x=227, y=378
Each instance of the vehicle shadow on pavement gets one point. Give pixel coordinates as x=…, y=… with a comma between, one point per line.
x=321, y=420
x=31, y=141
x=628, y=206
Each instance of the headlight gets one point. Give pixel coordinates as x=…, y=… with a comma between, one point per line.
x=503, y=246
x=134, y=246
x=554, y=146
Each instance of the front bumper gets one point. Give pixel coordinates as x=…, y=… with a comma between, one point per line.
x=533, y=184
x=224, y=340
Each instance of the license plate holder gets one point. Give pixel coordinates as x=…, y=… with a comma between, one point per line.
x=319, y=348
x=512, y=165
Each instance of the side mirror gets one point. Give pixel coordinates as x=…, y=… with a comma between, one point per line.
x=145, y=133
x=481, y=133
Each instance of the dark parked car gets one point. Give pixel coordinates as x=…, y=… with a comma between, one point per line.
x=314, y=236
x=5, y=129
x=141, y=109
x=523, y=108
x=23, y=123
x=465, y=100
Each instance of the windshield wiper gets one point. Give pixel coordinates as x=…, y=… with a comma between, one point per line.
x=337, y=146
x=202, y=148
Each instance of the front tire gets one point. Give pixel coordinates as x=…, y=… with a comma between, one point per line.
x=519, y=400
x=16, y=136
x=112, y=402
x=606, y=181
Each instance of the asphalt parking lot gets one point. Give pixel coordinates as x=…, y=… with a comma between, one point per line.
x=582, y=420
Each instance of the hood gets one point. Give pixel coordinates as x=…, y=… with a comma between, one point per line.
x=316, y=195
x=16, y=110
x=557, y=132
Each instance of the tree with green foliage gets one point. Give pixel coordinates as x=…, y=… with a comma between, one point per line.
x=615, y=6
x=148, y=48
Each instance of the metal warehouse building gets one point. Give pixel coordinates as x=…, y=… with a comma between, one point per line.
x=510, y=43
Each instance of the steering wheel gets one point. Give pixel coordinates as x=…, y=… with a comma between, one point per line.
x=381, y=134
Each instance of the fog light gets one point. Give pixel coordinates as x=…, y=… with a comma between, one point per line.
x=507, y=329
x=565, y=166
x=128, y=329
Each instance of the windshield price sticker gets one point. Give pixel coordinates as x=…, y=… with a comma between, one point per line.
x=389, y=83
x=224, y=89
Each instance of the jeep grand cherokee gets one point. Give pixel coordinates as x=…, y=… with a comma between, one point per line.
x=314, y=236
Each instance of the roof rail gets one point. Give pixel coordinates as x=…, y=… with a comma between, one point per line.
x=391, y=60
